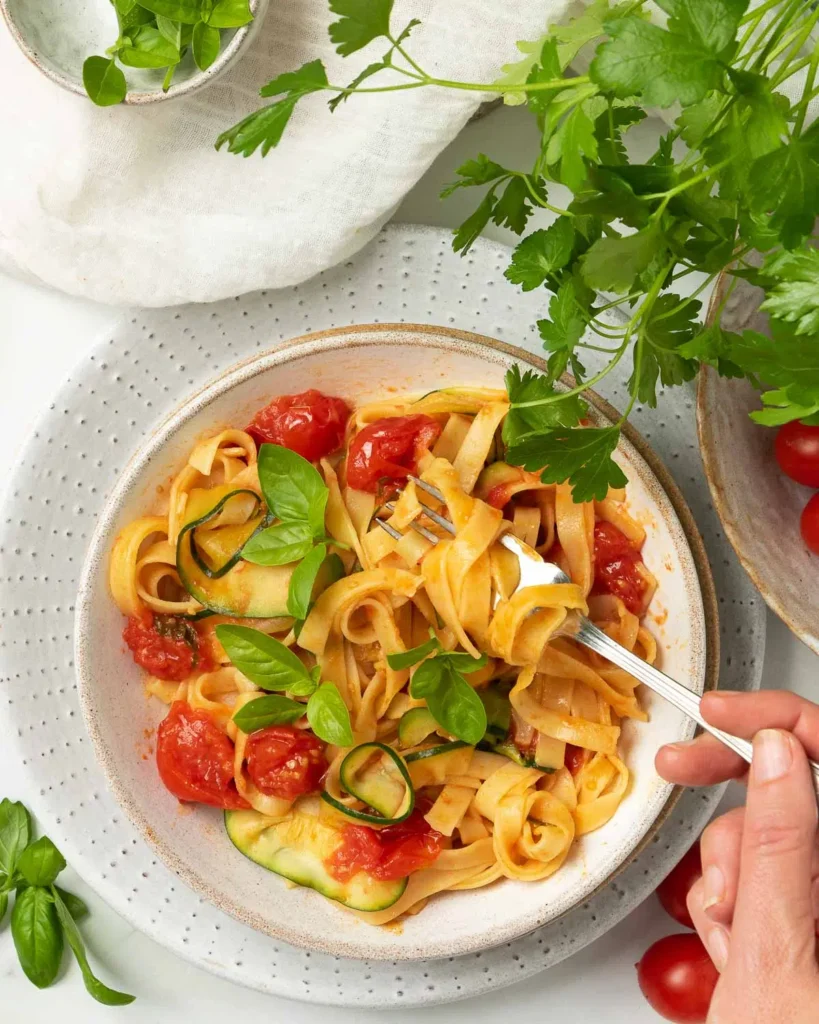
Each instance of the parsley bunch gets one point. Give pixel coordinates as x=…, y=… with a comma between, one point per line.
x=733, y=186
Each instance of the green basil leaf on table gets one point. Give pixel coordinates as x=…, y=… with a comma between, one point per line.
x=274, y=709
x=328, y=716
x=132, y=18
x=292, y=487
x=104, y=81
x=206, y=42
x=300, y=592
x=124, y=7
x=148, y=48
x=264, y=660
x=100, y=992
x=230, y=14
x=40, y=862
x=176, y=32
x=279, y=544
x=4, y=905
x=189, y=12
x=15, y=834
x=38, y=937
x=77, y=908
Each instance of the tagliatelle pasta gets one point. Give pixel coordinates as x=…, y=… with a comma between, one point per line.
x=384, y=717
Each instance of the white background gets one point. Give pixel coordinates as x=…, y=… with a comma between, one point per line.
x=42, y=335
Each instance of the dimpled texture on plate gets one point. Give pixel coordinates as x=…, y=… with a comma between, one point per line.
x=141, y=372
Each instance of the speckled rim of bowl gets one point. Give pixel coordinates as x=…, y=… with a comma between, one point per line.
x=801, y=627
x=134, y=97
x=251, y=367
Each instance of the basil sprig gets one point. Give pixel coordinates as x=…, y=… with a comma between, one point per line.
x=439, y=680
x=272, y=666
x=44, y=915
x=297, y=496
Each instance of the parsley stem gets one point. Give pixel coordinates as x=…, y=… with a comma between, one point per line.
x=554, y=84
x=580, y=387
x=758, y=12
x=802, y=106
x=397, y=46
x=541, y=202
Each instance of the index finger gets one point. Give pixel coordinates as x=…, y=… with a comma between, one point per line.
x=745, y=714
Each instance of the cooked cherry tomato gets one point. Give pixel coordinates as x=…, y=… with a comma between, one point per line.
x=797, y=452
x=310, y=424
x=285, y=762
x=809, y=524
x=615, y=566
x=195, y=758
x=388, y=450
x=387, y=853
x=677, y=977
x=163, y=645
x=576, y=758
x=673, y=891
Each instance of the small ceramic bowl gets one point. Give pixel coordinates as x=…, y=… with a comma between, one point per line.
x=362, y=364
x=58, y=35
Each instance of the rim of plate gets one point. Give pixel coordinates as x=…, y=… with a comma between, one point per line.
x=309, y=344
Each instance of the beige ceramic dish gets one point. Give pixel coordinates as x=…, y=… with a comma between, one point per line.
x=57, y=36
x=758, y=505
x=362, y=363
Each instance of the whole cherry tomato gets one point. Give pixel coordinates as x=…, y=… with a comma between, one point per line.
x=615, y=566
x=285, y=762
x=678, y=979
x=163, y=645
x=797, y=452
x=195, y=758
x=809, y=524
x=388, y=450
x=310, y=424
x=673, y=890
x=386, y=853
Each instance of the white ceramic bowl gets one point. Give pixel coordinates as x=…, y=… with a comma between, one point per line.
x=57, y=36
x=360, y=364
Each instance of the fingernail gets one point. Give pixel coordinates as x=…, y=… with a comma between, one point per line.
x=773, y=756
x=717, y=943
x=681, y=745
x=713, y=882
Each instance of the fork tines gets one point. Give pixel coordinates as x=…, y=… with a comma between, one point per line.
x=436, y=517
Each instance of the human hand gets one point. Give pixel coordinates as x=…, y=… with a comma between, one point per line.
x=757, y=903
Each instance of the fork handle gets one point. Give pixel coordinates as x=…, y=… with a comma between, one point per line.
x=680, y=696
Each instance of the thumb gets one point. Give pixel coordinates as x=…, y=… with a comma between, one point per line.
x=773, y=921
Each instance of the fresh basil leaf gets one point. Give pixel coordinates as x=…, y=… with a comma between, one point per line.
x=4, y=905
x=328, y=716
x=177, y=33
x=405, y=659
x=427, y=678
x=582, y=456
x=124, y=7
x=205, y=44
x=148, y=48
x=300, y=592
x=274, y=709
x=40, y=862
x=360, y=22
x=457, y=708
x=15, y=834
x=264, y=660
x=189, y=12
x=77, y=908
x=38, y=937
x=292, y=487
x=230, y=14
x=104, y=81
x=462, y=662
x=540, y=254
x=279, y=544
x=100, y=992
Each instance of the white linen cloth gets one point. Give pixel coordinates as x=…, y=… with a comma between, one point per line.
x=133, y=205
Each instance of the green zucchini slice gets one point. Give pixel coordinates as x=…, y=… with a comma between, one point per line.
x=377, y=776
x=438, y=749
x=298, y=847
x=415, y=726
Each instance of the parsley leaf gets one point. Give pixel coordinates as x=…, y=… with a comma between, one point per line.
x=560, y=411
x=480, y=171
x=573, y=139
x=712, y=345
x=360, y=22
x=711, y=23
x=609, y=128
x=582, y=456
x=785, y=183
x=566, y=326
x=513, y=209
x=466, y=235
x=795, y=298
x=612, y=264
x=540, y=254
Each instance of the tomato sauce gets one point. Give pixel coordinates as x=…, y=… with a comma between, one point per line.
x=616, y=571
x=388, y=450
x=387, y=853
x=310, y=424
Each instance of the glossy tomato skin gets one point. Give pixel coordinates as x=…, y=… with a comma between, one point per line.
x=388, y=853
x=388, y=450
x=166, y=653
x=195, y=758
x=809, y=524
x=285, y=762
x=678, y=979
x=615, y=567
x=310, y=424
x=797, y=452
x=673, y=891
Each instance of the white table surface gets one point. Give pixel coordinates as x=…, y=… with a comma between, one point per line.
x=42, y=334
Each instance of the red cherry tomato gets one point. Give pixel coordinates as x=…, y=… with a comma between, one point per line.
x=388, y=450
x=616, y=570
x=310, y=424
x=576, y=758
x=809, y=524
x=797, y=452
x=387, y=853
x=673, y=891
x=677, y=977
x=285, y=762
x=164, y=646
x=195, y=758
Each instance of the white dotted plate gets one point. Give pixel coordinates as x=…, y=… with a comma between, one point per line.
x=116, y=396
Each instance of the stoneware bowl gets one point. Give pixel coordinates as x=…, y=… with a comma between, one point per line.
x=361, y=364
x=57, y=36
x=758, y=505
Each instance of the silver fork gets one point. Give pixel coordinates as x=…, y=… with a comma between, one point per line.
x=535, y=572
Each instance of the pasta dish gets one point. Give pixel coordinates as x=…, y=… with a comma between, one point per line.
x=383, y=716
